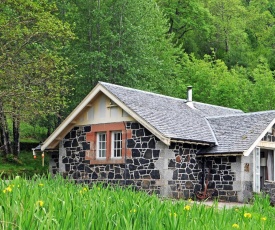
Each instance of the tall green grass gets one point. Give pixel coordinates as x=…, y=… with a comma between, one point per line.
x=46, y=203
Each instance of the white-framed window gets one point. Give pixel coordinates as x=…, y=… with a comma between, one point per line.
x=101, y=145
x=116, y=144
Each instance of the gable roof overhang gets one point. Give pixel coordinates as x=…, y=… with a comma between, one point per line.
x=258, y=140
x=240, y=134
x=52, y=141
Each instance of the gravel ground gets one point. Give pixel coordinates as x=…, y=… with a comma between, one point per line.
x=222, y=205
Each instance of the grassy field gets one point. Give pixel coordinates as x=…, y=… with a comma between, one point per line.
x=25, y=165
x=46, y=203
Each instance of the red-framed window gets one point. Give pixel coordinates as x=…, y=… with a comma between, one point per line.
x=108, y=143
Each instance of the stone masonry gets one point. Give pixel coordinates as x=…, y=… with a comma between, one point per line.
x=171, y=171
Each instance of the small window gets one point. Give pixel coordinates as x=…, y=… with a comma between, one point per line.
x=101, y=145
x=116, y=144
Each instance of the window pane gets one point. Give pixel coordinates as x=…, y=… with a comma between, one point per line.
x=101, y=145
x=116, y=144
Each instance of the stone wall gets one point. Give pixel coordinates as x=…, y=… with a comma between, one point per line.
x=269, y=189
x=186, y=171
x=221, y=177
x=171, y=171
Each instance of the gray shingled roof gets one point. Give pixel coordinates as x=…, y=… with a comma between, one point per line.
x=214, y=110
x=170, y=116
x=236, y=133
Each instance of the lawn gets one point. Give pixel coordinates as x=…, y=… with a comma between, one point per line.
x=25, y=165
x=47, y=203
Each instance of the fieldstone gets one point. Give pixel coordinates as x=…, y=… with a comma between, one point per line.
x=155, y=174
x=156, y=153
x=110, y=175
x=148, y=154
x=144, y=145
x=217, y=177
x=85, y=146
x=140, y=132
x=134, y=125
x=132, y=167
x=218, y=160
x=129, y=161
x=221, y=167
x=147, y=132
x=88, y=170
x=81, y=138
x=65, y=160
x=152, y=144
x=227, y=177
x=103, y=175
x=94, y=176
x=87, y=129
x=151, y=166
x=175, y=175
x=82, y=153
x=80, y=167
x=188, y=171
x=232, y=159
x=184, y=177
x=189, y=185
x=171, y=163
x=136, y=175
x=135, y=153
x=73, y=134
x=118, y=176
x=67, y=144
x=228, y=187
x=191, y=177
x=67, y=167
x=145, y=184
x=192, y=160
x=74, y=143
x=143, y=161
x=136, y=162
x=76, y=175
x=130, y=143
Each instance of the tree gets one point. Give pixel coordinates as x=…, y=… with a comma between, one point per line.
x=191, y=22
x=122, y=42
x=33, y=74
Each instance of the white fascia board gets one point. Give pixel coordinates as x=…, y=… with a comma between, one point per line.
x=85, y=102
x=71, y=117
x=253, y=146
x=136, y=117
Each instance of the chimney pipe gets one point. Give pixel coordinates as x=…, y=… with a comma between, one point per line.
x=189, y=93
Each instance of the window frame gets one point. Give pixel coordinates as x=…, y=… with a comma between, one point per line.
x=98, y=145
x=114, y=148
x=91, y=137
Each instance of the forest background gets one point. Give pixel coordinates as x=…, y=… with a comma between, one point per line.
x=53, y=52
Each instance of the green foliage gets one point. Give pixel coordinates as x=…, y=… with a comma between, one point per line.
x=25, y=165
x=123, y=42
x=46, y=203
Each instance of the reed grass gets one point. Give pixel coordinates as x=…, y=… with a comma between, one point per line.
x=47, y=203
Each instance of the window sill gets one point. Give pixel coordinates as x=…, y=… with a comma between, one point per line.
x=105, y=161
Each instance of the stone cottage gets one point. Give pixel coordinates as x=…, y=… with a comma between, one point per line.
x=169, y=146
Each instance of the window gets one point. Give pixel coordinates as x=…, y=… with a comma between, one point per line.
x=116, y=144
x=107, y=143
x=101, y=145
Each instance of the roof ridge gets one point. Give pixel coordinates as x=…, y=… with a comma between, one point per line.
x=242, y=114
x=217, y=106
x=143, y=91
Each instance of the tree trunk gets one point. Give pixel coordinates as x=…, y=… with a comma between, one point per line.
x=5, y=131
x=16, y=135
